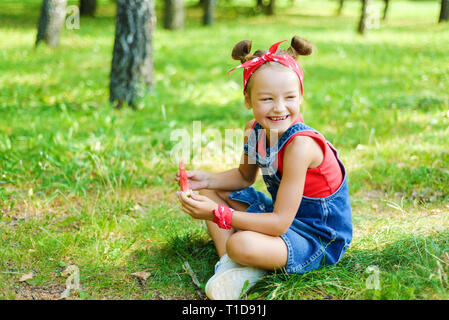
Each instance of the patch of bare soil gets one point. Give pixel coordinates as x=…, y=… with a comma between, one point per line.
x=48, y=292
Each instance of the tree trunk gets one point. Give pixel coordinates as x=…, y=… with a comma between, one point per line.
x=386, y=6
x=444, y=13
x=132, y=60
x=51, y=21
x=340, y=7
x=270, y=8
x=174, y=14
x=209, y=9
x=88, y=7
x=362, y=24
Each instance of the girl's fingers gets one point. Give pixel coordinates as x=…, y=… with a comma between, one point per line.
x=197, y=197
x=189, y=210
x=186, y=210
x=184, y=200
x=189, y=207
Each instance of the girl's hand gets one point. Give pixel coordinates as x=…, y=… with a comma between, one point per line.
x=197, y=179
x=197, y=206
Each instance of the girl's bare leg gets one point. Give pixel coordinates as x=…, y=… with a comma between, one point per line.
x=257, y=250
x=220, y=236
x=245, y=247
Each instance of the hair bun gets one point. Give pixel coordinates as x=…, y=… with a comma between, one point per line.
x=242, y=51
x=299, y=47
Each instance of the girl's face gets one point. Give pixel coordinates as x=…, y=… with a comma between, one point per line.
x=274, y=97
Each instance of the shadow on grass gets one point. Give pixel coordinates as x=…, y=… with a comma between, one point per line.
x=408, y=268
x=167, y=263
x=413, y=267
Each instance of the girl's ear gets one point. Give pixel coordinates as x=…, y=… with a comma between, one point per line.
x=247, y=101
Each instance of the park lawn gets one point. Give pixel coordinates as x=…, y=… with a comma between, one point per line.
x=82, y=183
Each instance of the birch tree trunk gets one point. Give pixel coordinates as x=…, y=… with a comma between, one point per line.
x=209, y=10
x=174, y=14
x=364, y=15
x=51, y=22
x=132, y=60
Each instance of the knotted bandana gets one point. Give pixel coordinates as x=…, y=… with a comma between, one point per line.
x=223, y=216
x=252, y=65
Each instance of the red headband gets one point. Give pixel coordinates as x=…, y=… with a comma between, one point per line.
x=252, y=65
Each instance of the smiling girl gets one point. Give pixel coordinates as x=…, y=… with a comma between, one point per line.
x=306, y=223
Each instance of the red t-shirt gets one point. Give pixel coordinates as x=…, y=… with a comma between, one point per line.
x=321, y=181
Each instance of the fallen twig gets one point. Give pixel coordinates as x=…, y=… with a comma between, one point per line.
x=192, y=274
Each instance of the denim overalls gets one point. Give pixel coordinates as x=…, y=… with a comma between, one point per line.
x=322, y=229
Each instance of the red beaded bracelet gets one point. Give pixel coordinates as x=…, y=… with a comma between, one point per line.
x=223, y=216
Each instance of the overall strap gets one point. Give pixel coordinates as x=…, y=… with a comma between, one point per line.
x=292, y=132
x=254, y=147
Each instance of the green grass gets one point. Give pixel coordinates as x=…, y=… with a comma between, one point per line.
x=83, y=183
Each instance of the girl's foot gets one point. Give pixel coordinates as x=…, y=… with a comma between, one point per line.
x=225, y=263
x=229, y=279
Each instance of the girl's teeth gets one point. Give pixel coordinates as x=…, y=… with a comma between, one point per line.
x=278, y=118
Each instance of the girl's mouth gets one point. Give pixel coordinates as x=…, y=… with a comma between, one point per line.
x=278, y=119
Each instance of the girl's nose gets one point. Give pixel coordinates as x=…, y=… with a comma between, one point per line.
x=279, y=105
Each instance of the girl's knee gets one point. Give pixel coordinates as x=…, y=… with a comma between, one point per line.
x=234, y=204
x=224, y=194
x=240, y=247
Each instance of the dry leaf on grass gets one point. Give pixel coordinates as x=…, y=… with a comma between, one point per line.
x=142, y=275
x=26, y=276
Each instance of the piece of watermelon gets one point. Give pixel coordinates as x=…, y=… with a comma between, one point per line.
x=183, y=181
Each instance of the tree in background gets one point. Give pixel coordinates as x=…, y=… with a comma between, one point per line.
x=51, y=21
x=174, y=14
x=340, y=7
x=444, y=13
x=363, y=17
x=132, y=60
x=384, y=16
x=386, y=6
x=270, y=7
x=209, y=10
x=88, y=7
